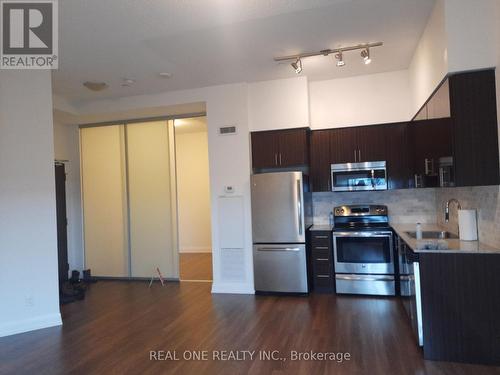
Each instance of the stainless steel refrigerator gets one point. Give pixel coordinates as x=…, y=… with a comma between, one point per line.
x=281, y=214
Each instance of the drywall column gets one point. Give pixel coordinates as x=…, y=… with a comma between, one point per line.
x=28, y=231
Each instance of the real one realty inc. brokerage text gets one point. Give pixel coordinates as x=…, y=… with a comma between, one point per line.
x=247, y=355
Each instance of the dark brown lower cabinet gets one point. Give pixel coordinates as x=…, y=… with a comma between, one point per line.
x=461, y=307
x=321, y=262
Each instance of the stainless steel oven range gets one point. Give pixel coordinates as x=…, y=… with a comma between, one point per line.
x=363, y=250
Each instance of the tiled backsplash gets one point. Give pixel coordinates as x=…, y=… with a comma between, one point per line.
x=405, y=206
x=485, y=199
x=424, y=206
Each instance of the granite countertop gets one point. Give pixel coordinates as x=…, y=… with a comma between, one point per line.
x=454, y=245
x=321, y=227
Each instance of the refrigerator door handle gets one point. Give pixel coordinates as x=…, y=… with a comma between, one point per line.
x=278, y=249
x=299, y=207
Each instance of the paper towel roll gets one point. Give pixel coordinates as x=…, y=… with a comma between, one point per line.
x=467, y=225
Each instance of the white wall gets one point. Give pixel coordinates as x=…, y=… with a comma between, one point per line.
x=229, y=163
x=193, y=191
x=278, y=104
x=429, y=64
x=28, y=232
x=361, y=100
x=470, y=29
x=66, y=147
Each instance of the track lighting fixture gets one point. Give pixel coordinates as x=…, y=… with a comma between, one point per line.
x=297, y=66
x=365, y=54
x=338, y=53
x=340, y=59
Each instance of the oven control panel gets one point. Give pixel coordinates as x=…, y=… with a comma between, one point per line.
x=361, y=210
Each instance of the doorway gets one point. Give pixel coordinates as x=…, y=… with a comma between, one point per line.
x=62, y=232
x=193, y=199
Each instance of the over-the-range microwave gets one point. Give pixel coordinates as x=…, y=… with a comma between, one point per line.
x=371, y=175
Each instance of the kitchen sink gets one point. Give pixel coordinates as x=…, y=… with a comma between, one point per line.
x=433, y=234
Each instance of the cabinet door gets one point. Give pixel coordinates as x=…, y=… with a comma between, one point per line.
x=371, y=142
x=473, y=109
x=293, y=147
x=397, y=155
x=343, y=145
x=320, y=160
x=430, y=140
x=264, y=150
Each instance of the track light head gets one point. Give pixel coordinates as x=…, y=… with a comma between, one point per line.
x=297, y=66
x=365, y=54
x=340, y=59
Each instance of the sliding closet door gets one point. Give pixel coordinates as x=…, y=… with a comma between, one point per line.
x=104, y=200
x=150, y=203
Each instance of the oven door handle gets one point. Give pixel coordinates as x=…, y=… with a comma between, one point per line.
x=351, y=277
x=362, y=234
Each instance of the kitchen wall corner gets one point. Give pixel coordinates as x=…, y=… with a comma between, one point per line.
x=485, y=199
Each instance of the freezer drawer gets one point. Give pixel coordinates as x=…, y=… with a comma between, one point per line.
x=379, y=285
x=280, y=268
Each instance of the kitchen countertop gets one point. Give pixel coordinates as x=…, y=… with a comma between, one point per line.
x=454, y=245
x=322, y=228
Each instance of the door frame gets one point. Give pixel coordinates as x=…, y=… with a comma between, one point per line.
x=173, y=184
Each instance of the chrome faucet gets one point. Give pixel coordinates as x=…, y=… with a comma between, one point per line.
x=447, y=208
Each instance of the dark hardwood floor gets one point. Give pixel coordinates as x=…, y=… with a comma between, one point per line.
x=114, y=329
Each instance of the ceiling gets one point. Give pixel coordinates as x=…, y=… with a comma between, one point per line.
x=210, y=42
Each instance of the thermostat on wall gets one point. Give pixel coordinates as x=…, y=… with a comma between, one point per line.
x=229, y=189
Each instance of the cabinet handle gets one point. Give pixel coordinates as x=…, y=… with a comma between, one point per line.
x=323, y=259
x=323, y=276
x=275, y=158
x=322, y=237
x=280, y=158
x=355, y=156
x=359, y=152
x=321, y=247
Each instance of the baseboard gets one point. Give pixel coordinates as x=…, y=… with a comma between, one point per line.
x=31, y=324
x=232, y=288
x=187, y=250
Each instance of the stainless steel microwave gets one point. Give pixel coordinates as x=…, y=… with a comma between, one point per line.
x=370, y=175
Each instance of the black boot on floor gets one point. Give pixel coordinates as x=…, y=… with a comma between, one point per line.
x=75, y=277
x=87, y=277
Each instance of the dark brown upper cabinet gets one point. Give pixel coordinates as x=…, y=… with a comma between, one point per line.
x=372, y=143
x=454, y=137
x=387, y=142
x=320, y=160
x=343, y=145
x=280, y=148
x=397, y=156
x=475, y=128
x=357, y=144
x=430, y=149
